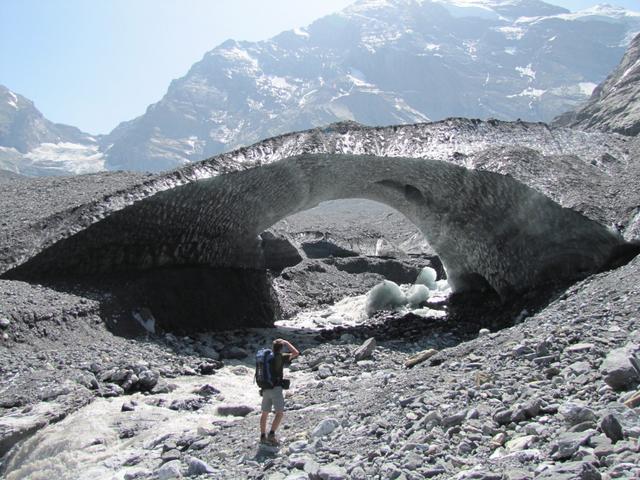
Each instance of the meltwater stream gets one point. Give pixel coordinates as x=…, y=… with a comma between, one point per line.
x=100, y=441
x=93, y=442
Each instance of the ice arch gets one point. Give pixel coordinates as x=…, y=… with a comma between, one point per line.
x=484, y=226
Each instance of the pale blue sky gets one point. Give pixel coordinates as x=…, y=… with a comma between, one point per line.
x=93, y=64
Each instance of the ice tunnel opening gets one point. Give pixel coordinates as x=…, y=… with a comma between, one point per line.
x=348, y=247
x=486, y=228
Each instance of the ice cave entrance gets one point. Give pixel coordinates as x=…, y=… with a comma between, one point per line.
x=194, y=253
x=389, y=266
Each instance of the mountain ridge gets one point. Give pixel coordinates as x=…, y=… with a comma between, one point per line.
x=377, y=62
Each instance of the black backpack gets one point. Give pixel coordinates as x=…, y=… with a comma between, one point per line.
x=264, y=358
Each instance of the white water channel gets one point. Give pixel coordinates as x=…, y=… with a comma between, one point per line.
x=87, y=445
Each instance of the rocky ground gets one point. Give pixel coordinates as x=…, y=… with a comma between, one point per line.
x=554, y=396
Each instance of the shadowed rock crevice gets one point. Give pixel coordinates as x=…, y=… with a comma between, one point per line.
x=180, y=299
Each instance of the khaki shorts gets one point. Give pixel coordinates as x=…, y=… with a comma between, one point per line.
x=273, y=397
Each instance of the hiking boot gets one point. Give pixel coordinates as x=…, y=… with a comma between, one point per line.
x=272, y=440
x=263, y=440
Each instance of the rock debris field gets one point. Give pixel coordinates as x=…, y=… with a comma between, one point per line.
x=554, y=396
x=549, y=392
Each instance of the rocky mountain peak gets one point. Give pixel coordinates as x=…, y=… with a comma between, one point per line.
x=378, y=62
x=10, y=98
x=22, y=126
x=32, y=145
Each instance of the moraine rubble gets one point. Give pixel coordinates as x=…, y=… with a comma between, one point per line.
x=552, y=397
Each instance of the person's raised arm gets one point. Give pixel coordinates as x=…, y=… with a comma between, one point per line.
x=293, y=350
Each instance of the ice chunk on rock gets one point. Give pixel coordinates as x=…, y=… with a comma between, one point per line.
x=427, y=277
x=417, y=295
x=384, y=296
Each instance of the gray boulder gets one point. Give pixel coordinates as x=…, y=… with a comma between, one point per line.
x=568, y=443
x=111, y=390
x=575, y=414
x=198, y=467
x=207, y=390
x=234, y=410
x=621, y=368
x=571, y=471
x=365, y=350
x=332, y=472
x=611, y=427
x=147, y=379
x=325, y=427
x=170, y=470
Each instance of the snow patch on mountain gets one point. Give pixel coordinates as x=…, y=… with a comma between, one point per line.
x=603, y=13
x=366, y=5
x=630, y=69
x=71, y=157
x=471, y=48
x=485, y=9
x=587, y=88
x=237, y=54
x=301, y=32
x=402, y=106
x=511, y=32
x=529, y=92
x=13, y=99
x=527, y=71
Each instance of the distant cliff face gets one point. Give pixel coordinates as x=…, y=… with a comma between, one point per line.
x=615, y=104
x=380, y=63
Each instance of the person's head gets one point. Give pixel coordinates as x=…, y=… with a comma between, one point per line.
x=277, y=346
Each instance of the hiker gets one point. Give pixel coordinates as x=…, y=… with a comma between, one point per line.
x=274, y=397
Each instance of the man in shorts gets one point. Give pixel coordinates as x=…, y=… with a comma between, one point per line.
x=274, y=397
